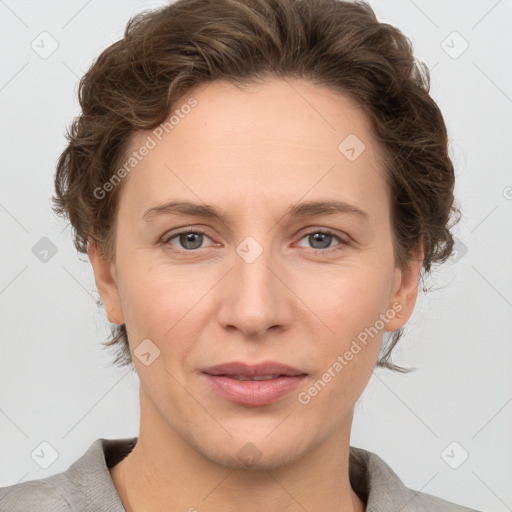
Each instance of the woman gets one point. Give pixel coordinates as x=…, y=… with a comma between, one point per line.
x=259, y=186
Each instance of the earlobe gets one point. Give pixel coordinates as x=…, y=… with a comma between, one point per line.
x=106, y=282
x=405, y=286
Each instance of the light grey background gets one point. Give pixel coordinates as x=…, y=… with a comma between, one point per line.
x=56, y=382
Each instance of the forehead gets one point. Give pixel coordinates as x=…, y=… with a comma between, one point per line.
x=281, y=137
x=286, y=113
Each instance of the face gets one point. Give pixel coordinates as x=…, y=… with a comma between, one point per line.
x=269, y=280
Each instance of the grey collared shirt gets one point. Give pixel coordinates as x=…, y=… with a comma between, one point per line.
x=86, y=486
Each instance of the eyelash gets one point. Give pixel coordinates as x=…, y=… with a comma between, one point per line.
x=323, y=231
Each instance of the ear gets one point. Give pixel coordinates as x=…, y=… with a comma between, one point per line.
x=405, y=289
x=106, y=283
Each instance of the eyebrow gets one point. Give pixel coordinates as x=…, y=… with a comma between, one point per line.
x=305, y=209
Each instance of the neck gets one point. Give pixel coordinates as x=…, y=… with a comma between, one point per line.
x=165, y=472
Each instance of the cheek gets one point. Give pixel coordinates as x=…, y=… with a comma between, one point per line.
x=163, y=303
x=350, y=305
x=349, y=299
x=345, y=357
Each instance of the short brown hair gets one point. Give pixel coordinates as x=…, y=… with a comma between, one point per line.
x=164, y=53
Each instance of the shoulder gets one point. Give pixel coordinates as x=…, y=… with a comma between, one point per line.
x=375, y=481
x=85, y=486
x=43, y=494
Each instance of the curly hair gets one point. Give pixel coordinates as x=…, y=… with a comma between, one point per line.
x=165, y=53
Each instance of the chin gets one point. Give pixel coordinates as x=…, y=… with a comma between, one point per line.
x=250, y=458
x=255, y=452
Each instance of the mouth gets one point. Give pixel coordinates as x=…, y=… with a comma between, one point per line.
x=257, y=377
x=253, y=385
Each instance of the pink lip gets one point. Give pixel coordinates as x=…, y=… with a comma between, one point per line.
x=252, y=392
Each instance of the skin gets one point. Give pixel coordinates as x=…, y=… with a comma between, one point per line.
x=252, y=153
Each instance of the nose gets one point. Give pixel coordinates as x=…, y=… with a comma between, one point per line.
x=255, y=296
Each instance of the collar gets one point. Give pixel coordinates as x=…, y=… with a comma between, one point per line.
x=372, y=479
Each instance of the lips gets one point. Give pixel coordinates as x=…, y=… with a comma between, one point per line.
x=263, y=369
x=253, y=385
